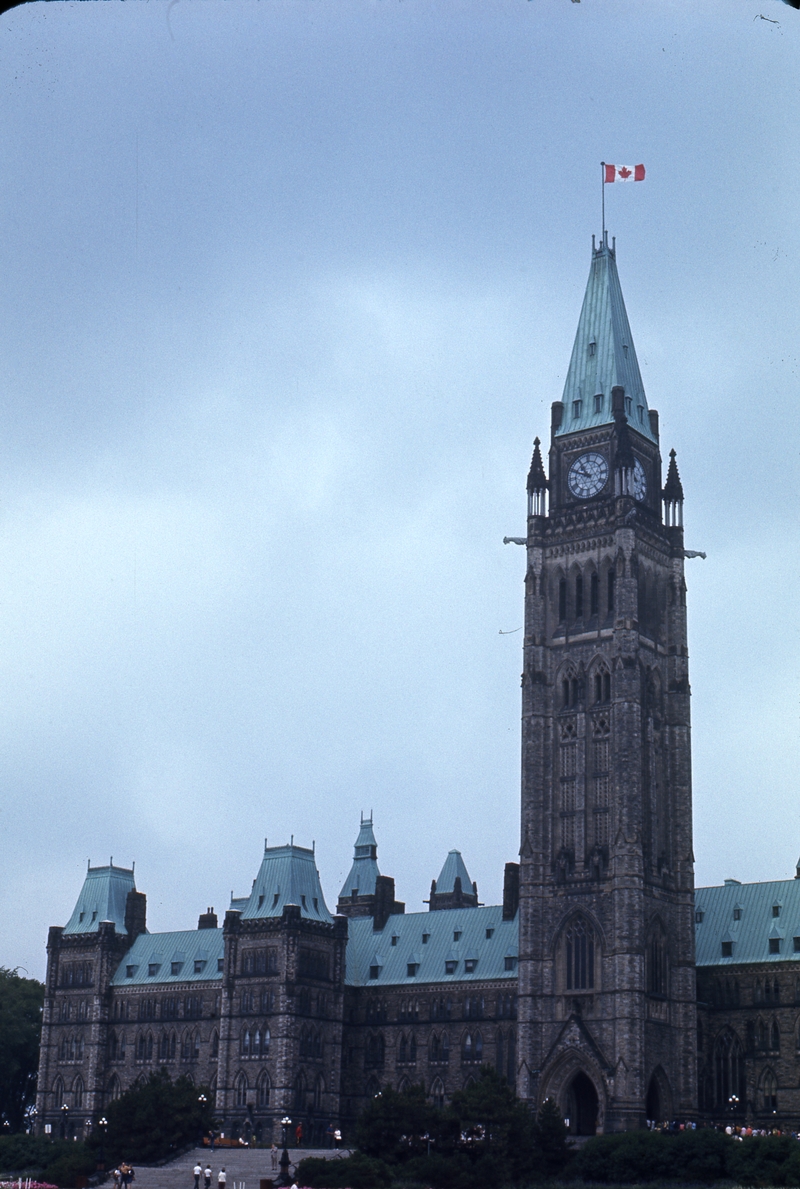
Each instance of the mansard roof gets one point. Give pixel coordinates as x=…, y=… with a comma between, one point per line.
x=603, y=355
x=454, y=867
x=432, y=941
x=157, y=952
x=102, y=898
x=744, y=917
x=288, y=875
x=364, y=871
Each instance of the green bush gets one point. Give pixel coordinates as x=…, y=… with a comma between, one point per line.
x=645, y=1156
x=764, y=1160
x=20, y=1152
x=66, y=1169
x=351, y=1172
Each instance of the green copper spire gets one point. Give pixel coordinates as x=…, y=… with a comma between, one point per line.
x=603, y=355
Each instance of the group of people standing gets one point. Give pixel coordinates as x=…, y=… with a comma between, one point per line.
x=206, y=1174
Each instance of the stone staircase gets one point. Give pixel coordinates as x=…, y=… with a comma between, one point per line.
x=244, y=1167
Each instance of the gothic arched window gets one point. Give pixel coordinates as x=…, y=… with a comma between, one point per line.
x=729, y=1071
x=594, y=596
x=263, y=1090
x=774, y=1037
x=579, y=956
x=240, y=1090
x=77, y=1093
x=657, y=963
x=769, y=1091
x=437, y=1092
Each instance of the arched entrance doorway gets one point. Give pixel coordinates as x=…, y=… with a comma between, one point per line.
x=652, y=1105
x=581, y=1105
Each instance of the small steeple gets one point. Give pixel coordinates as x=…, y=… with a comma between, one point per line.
x=673, y=495
x=537, y=483
x=453, y=888
x=603, y=357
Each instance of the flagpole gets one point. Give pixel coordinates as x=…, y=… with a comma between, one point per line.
x=603, y=193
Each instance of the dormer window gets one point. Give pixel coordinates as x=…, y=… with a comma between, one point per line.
x=220, y=964
x=260, y=900
x=130, y=971
x=470, y=964
x=80, y=918
x=316, y=903
x=374, y=971
x=199, y=965
x=698, y=916
x=456, y=935
x=774, y=945
x=737, y=914
x=153, y=969
x=94, y=915
x=598, y=402
x=411, y=969
x=641, y=413
x=592, y=347
x=275, y=899
x=489, y=934
x=175, y=968
x=625, y=349
x=628, y=405
x=577, y=405
x=303, y=901
x=776, y=910
x=394, y=939
x=425, y=938
x=450, y=966
x=727, y=949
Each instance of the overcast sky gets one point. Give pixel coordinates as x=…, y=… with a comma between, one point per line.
x=287, y=290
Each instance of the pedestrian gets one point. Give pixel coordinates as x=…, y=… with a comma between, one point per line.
x=298, y=1135
x=274, y=1156
x=221, y=1179
x=198, y=1172
x=117, y=1177
x=212, y=1141
x=207, y=1177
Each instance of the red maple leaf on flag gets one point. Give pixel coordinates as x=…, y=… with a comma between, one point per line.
x=624, y=172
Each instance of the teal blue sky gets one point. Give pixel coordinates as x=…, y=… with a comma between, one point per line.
x=286, y=290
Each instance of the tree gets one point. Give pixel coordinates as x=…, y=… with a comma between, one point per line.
x=553, y=1147
x=395, y=1125
x=156, y=1118
x=495, y=1124
x=21, y=1001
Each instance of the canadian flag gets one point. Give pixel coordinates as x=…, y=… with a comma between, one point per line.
x=623, y=173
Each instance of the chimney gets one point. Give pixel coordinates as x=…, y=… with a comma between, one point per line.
x=510, y=891
x=384, y=901
x=135, y=914
x=207, y=919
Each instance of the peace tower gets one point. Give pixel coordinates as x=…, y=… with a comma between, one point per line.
x=607, y=1020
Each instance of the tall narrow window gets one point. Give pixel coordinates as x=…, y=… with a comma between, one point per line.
x=562, y=600
x=598, y=402
x=579, y=597
x=579, y=956
x=594, y=595
x=610, y=591
x=565, y=692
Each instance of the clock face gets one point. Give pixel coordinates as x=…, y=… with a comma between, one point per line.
x=587, y=475
x=639, y=481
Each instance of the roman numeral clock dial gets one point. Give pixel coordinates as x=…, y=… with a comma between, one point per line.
x=587, y=475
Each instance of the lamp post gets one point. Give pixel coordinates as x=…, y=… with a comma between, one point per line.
x=64, y=1120
x=102, y=1123
x=202, y=1100
x=285, y=1180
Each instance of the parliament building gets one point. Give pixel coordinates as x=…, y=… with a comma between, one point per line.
x=604, y=980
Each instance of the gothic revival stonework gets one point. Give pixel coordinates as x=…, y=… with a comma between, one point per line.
x=582, y=986
x=606, y=994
